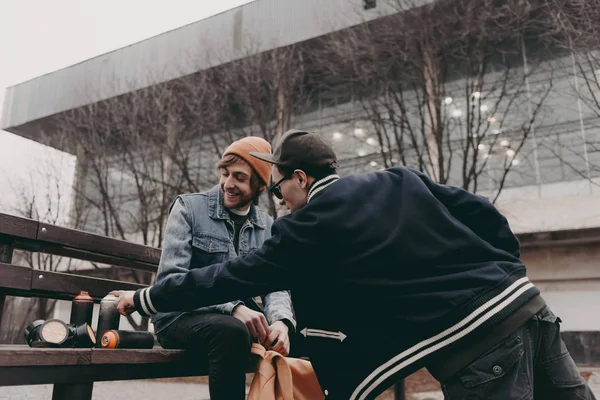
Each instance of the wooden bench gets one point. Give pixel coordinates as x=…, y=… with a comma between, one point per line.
x=73, y=371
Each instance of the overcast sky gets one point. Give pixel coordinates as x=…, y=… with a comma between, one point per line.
x=40, y=36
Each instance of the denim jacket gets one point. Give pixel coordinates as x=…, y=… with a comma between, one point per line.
x=197, y=235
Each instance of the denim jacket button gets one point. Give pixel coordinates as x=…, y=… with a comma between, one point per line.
x=497, y=370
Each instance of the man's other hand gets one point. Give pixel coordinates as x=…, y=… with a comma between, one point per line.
x=255, y=321
x=279, y=339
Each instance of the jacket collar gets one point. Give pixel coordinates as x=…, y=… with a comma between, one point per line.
x=321, y=184
x=217, y=210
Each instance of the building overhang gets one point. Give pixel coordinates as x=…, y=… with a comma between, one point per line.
x=256, y=27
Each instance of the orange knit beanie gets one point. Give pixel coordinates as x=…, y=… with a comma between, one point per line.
x=242, y=149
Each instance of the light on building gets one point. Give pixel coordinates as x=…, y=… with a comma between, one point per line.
x=481, y=146
x=359, y=132
x=483, y=108
x=496, y=131
x=492, y=119
x=515, y=162
x=456, y=113
x=361, y=153
x=337, y=136
x=448, y=100
x=476, y=95
x=504, y=143
x=486, y=155
x=373, y=163
x=510, y=152
x=371, y=142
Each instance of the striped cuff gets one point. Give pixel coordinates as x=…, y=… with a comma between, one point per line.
x=143, y=303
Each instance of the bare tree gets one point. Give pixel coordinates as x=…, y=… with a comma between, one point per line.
x=42, y=198
x=260, y=92
x=444, y=87
x=579, y=34
x=136, y=153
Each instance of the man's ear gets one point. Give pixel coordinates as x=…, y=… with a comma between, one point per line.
x=302, y=178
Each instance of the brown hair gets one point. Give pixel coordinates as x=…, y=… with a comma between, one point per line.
x=255, y=180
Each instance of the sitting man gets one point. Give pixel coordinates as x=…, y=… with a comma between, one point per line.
x=212, y=227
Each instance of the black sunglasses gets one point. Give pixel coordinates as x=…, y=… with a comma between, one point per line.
x=275, y=187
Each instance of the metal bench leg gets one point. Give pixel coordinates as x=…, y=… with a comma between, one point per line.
x=399, y=390
x=73, y=391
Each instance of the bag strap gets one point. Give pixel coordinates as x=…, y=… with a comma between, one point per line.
x=258, y=350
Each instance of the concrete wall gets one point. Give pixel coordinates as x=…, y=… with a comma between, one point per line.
x=553, y=206
x=567, y=272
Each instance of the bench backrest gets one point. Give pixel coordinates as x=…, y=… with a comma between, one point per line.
x=26, y=234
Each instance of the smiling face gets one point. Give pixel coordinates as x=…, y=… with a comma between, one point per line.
x=238, y=185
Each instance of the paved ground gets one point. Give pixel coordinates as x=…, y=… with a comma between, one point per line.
x=121, y=390
x=158, y=389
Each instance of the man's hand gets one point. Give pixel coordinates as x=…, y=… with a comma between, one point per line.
x=124, y=302
x=255, y=321
x=279, y=339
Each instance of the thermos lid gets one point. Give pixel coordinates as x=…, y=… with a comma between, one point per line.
x=83, y=296
x=110, y=340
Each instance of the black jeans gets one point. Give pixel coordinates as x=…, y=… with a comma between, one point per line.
x=533, y=363
x=220, y=341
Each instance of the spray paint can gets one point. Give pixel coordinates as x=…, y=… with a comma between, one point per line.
x=82, y=309
x=115, y=339
x=108, y=318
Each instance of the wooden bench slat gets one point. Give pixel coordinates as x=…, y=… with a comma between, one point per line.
x=22, y=355
x=134, y=356
x=22, y=365
x=15, y=277
x=59, y=250
x=64, y=284
x=17, y=226
x=69, y=374
x=97, y=243
x=24, y=281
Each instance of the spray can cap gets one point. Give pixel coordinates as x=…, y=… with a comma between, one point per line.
x=110, y=339
x=83, y=296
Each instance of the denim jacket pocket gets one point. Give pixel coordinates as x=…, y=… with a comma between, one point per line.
x=208, y=249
